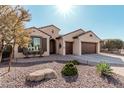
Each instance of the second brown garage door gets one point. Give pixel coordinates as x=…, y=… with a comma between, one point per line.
x=88, y=48
x=69, y=47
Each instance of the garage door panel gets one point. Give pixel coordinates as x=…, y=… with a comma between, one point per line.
x=88, y=48
x=69, y=48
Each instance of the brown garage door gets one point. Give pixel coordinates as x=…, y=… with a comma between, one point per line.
x=88, y=48
x=69, y=47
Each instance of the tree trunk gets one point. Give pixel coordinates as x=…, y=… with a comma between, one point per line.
x=10, y=62
x=1, y=51
x=11, y=57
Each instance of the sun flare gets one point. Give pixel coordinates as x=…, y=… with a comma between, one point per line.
x=64, y=9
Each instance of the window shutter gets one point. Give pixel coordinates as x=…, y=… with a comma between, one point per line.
x=41, y=47
x=44, y=44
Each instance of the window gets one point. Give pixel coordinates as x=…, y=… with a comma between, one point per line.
x=35, y=45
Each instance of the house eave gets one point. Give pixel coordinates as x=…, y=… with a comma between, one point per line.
x=49, y=26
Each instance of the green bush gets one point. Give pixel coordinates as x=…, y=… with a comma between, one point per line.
x=104, y=69
x=69, y=70
x=75, y=62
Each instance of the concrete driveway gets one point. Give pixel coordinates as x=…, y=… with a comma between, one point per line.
x=92, y=59
x=97, y=58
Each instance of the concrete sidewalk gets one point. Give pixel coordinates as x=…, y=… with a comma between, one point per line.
x=118, y=70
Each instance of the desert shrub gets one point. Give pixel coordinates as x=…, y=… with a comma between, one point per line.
x=104, y=69
x=69, y=70
x=75, y=62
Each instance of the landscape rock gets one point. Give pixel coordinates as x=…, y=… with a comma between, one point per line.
x=42, y=75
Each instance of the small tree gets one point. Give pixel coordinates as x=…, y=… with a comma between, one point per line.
x=18, y=35
x=12, y=21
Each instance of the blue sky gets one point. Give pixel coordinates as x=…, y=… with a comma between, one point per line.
x=105, y=21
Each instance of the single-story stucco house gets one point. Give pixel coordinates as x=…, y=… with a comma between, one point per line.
x=47, y=38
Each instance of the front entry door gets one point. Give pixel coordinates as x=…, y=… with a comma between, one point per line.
x=52, y=46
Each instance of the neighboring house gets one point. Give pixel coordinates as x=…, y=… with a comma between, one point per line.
x=47, y=38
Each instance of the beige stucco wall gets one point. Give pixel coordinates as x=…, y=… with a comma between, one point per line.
x=76, y=47
x=51, y=30
x=34, y=32
x=77, y=42
x=87, y=38
x=68, y=38
x=60, y=50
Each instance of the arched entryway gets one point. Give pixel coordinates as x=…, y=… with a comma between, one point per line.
x=52, y=46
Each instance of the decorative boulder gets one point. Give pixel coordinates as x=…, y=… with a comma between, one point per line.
x=41, y=75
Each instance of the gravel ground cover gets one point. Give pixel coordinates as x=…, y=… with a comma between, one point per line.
x=87, y=78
